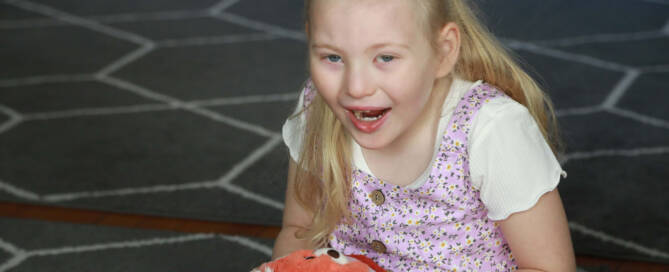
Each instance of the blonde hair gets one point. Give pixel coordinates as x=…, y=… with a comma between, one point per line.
x=322, y=183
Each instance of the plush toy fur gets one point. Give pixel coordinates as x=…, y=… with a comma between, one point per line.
x=321, y=260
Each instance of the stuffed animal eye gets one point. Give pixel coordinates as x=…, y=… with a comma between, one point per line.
x=333, y=253
x=310, y=257
x=336, y=256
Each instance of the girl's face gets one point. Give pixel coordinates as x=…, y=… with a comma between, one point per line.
x=374, y=67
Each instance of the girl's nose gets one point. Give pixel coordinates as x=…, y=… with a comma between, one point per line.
x=358, y=83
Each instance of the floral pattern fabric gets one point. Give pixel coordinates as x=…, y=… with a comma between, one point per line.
x=441, y=226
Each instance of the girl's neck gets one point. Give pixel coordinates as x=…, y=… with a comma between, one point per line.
x=414, y=148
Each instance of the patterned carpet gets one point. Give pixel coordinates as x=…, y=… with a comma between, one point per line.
x=174, y=108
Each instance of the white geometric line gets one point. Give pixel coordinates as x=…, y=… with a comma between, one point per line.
x=108, y=19
x=221, y=6
x=249, y=243
x=279, y=31
x=225, y=182
x=252, y=158
x=655, y=69
x=149, y=16
x=141, y=91
x=142, y=108
x=97, y=111
x=231, y=121
x=610, y=239
x=13, y=262
x=635, y=152
x=237, y=38
x=518, y=45
x=253, y=196
x=14, y=118
x=245, y=99
x=120, y=245
x=192, y=108
x=621, y=87
x=18, y=192
x=640, y=117
x=125, y=60
x=95, y=26
x=577, y=111
x=599, y=38
x=129, y=191
x=6, y=246
x=35, y=80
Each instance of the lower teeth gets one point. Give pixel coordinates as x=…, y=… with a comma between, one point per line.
x=359, y=116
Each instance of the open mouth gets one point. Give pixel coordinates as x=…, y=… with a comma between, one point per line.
x=369, y=115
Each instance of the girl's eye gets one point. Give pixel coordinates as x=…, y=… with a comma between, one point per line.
x=385, y=58
x=333, y=58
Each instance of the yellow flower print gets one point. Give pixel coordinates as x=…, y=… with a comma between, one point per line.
x=468, y=228
x=443, y=244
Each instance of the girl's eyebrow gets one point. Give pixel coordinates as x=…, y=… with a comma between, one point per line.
x=373, y=47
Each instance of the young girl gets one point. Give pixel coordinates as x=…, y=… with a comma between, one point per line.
x=420, y=143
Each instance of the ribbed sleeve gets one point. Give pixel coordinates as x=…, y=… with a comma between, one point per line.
x=510, y=162
x=293, y=130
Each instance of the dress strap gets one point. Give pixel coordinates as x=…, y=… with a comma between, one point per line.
x=457, y=132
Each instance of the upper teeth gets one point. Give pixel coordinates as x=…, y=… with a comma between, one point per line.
x=358, y=115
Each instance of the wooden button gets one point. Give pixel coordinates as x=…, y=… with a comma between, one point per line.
x=377, y=197
x=378, y=246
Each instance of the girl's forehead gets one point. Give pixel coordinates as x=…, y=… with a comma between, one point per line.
x=364, y=19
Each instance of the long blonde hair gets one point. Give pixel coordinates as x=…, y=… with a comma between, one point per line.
x=322, y=183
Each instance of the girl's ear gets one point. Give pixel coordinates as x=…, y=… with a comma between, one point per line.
x=306, y=30
x=448, y=48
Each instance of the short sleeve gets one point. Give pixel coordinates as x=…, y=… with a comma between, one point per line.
x=510, y=162
x=293, y=129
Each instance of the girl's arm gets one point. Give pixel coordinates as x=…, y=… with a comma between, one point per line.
x=539, y=237
x=295, y=218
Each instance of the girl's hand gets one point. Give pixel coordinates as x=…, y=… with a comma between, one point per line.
x=539, y=237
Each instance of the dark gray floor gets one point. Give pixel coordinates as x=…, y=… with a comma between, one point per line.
x=175, y=107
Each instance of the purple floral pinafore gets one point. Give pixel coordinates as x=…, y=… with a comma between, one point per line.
x=441, y=226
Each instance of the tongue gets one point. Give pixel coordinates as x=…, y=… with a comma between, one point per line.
x=374, y=113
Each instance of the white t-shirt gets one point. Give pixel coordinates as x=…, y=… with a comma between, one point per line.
x=510, y=162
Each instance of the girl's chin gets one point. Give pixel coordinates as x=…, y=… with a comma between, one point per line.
x=369, y=141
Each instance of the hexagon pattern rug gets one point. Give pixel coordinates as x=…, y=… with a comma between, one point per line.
x=174, y=108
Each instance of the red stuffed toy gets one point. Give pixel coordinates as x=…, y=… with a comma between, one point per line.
x=321, y=260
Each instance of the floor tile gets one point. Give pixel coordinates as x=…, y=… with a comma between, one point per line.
x=120, y=249
x=57, y=50
x=125, y=6
x=67, y=96
x=576, y=85
x=553, y=19
x=643, y=94
x=290, y=17
x=594, y=132
x=93, y=153
x=9, y=12
x=647, y=52
x=29, y=234
x=627, y=186
x=213, y=71
x=181, y=29
x=270, y=115
x=268, y=176
x=213, y=203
